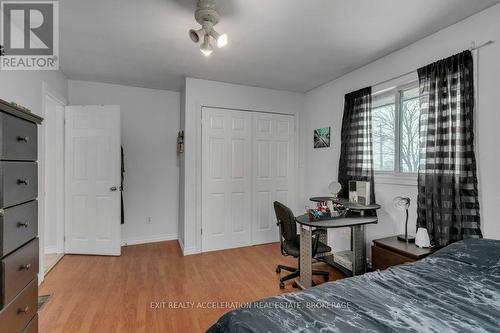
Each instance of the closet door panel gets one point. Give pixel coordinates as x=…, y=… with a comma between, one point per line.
x=226, y=179
x=273, y=172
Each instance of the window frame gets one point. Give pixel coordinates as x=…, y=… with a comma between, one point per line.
x=396, y=176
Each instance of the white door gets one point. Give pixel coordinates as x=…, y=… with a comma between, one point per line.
x=273, y=172
x=226, y=179
x=93, y=177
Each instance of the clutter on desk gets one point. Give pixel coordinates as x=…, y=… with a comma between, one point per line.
x=326, y=211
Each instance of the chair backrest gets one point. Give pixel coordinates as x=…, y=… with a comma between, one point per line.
x=286, y=222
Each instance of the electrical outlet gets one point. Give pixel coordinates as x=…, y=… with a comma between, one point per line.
x=149, y=220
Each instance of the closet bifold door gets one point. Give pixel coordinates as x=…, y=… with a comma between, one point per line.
x=226, y=179
x=247, y=164
x=273, y=172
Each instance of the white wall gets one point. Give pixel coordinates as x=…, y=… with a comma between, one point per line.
x=324, y=107
x=25, y=87
x=200, y=93
x=149, y=124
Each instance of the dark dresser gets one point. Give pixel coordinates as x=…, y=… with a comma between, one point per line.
x=390, y=251
x=18, y=220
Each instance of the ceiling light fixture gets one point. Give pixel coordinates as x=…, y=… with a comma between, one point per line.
x=206, y=15
x=206, y=47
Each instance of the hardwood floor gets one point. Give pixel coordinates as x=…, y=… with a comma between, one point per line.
x=124, y=294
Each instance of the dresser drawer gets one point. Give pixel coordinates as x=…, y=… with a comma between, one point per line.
x=18, y=225
x=19, y=138
x=32, y=326
x=16, y=316
x=17, y=270
x=383, y=258
x=19, y=182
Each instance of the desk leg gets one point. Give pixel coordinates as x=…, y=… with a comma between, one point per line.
x=305, y=280
x=358, y=250
x=323, y=238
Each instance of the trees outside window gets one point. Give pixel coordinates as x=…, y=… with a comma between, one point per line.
x=395, y=130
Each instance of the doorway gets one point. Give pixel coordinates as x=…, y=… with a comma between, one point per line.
x=92, y=180
x=53, y=230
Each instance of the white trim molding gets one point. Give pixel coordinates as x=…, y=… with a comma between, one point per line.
x=393, y=178
x=149, y=239
x=50, y=249
x=190, y=250
x=187, y=251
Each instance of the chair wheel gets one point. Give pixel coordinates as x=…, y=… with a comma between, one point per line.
x=278, y=270
x=282, y=285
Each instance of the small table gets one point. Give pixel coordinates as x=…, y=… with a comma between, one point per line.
x=390, y=251
x=357, y=225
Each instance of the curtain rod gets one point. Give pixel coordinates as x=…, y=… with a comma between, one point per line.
x=472, y=48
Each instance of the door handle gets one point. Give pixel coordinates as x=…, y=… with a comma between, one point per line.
x=24, y=139
x=22, y=181
x=23, y=224
x=113, y=189
x=23, y=310
x=25, y=267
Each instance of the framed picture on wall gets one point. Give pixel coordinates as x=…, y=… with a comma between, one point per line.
x=322, y=137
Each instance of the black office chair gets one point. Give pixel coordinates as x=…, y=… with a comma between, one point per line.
x=290, y=243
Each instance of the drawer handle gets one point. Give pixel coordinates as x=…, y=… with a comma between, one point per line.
x=22, y=182
x=24, y=139
x=25, y=267
x=23, y=224
x=23, y=311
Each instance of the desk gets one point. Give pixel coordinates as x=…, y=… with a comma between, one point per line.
x=357, y=225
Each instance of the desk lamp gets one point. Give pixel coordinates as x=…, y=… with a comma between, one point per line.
x=403, y=203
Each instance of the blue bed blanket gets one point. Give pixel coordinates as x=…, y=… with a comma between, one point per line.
x=457, y=289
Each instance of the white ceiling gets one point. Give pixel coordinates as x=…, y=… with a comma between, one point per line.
x=291, y=45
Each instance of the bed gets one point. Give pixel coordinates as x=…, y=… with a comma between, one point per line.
x=457, y=289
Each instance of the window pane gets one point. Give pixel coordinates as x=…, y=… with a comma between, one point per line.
x=383, y=133
x=409, y=129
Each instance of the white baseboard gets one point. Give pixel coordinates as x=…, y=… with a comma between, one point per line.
x=187, y=251
x=50, y=249
x=190, y=250
x=149, y=239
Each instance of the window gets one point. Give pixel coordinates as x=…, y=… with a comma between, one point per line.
x=395, y=130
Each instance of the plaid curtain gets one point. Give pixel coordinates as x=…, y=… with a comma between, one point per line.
x=356, y=151
x=448, y=204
